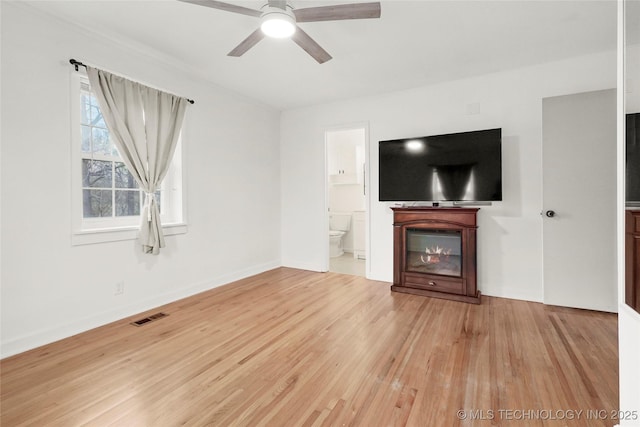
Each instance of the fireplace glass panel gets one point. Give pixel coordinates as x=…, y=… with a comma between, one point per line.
x=434, y=252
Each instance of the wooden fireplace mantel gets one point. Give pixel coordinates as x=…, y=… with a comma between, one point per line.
x=459, y=220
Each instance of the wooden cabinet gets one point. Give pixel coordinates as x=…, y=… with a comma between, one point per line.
x=632, y=259
x=345, y=160
x=434, y=252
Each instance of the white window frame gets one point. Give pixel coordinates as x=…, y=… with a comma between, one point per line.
x=98, y=230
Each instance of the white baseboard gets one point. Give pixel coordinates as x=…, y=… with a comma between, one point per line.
x=56, y=333
x=301, y=265
x=510, y=293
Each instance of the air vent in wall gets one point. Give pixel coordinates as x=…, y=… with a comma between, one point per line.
x=149, y=319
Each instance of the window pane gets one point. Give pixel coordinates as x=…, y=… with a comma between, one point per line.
x=96, y=203
x=159, y=200
x=96, y=116
x=123, y=178
x=101, y=142
x=127, y=202
x=85, y=109
x=96, y=173
x=86, y=139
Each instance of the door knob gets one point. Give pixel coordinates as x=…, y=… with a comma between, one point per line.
x=550, y=214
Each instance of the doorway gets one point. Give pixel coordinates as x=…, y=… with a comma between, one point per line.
x=347, y=200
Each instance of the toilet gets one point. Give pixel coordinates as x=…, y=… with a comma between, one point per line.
x=339, y=224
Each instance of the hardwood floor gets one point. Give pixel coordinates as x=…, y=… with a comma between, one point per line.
x=295, y=348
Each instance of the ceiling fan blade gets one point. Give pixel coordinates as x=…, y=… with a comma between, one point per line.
x=338, y=12
x=247, y=43
x=225, y=6
x=280, y=4
x=310, y=46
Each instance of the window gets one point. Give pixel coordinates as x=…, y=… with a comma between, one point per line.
x=107, y=199
x=108, y=188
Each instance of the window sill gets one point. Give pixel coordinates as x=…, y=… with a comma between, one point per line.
x=103, y=235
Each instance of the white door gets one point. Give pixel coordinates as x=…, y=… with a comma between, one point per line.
x=579, y=200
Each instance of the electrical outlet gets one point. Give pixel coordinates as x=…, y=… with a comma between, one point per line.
x=119, y=289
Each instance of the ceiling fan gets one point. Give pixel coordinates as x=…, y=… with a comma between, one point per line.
x=279, y=20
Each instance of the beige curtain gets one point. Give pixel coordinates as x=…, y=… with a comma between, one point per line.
x=144, y=124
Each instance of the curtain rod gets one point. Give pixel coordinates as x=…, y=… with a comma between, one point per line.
x=77, y=64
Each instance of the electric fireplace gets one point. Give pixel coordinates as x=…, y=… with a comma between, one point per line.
x=435, y=252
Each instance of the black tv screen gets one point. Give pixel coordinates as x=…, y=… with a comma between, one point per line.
x=465, y=166
x=633, y=159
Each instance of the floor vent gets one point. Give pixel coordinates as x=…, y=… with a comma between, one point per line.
x=149, y=319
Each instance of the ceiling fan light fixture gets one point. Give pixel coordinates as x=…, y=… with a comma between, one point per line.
x=278, y=25
x=279, y=20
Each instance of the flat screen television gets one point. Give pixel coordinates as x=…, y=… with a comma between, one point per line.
x=633, y=160
x=465, y=166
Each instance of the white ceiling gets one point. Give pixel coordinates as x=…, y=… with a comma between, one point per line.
x=414, y=43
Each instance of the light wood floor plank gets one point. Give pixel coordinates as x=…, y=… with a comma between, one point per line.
x=295, y=348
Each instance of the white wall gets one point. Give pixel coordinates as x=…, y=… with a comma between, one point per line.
x=346, y=198
x=51, y=289
x=510, y=232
